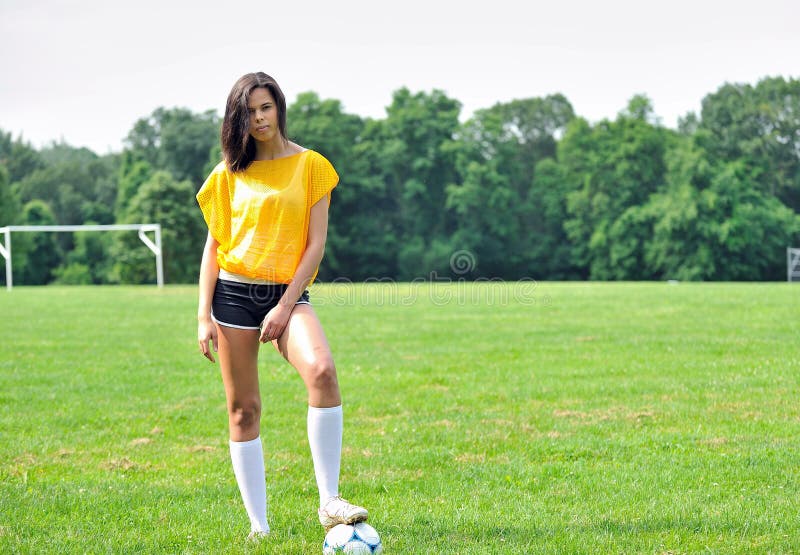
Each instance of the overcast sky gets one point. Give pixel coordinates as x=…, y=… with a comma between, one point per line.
x=85, y=71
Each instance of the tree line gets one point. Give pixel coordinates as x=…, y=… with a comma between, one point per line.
x=527, y=188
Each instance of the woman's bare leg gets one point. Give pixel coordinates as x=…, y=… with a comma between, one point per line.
x=305, y=346
x=238, y=358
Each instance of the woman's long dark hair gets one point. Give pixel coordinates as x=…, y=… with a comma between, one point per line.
x=238, y=147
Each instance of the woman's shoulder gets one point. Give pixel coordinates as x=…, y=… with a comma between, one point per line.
x=316, y=158
x=294, y=149
x=218, y=177
x=220, y=168
x=309, y=153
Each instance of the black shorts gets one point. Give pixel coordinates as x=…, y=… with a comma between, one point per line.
x=245, y=305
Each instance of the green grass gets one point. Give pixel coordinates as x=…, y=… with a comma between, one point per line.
x=485, y=418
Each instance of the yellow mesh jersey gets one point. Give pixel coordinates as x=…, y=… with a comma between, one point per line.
x=260, y=216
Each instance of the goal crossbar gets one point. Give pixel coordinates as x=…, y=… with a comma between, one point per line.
x=153, y=245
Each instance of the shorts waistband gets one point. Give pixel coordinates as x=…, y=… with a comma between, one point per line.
x=230, y=276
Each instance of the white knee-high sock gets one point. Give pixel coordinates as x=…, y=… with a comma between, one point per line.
x=325, y=439
x=248, y=467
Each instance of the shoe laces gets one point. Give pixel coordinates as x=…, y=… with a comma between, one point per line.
x=340, y=506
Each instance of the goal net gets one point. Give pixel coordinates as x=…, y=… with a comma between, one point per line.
x=792, y=264
x=154, y=245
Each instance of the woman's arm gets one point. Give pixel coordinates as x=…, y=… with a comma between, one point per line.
x=278, y=317
x=209, y=269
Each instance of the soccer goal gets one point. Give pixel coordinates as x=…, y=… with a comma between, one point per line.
x=154, y=245
x=792, y=264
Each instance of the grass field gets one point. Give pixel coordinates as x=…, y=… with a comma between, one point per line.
x=479, y=419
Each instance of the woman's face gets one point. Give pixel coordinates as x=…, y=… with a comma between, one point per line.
x=263, y=115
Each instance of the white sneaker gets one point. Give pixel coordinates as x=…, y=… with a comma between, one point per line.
x=257, y=535
x=339, y=511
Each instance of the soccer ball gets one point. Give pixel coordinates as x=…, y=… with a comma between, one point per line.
x=357, y=539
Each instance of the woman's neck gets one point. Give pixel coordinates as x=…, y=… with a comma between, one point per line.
x=277, y=148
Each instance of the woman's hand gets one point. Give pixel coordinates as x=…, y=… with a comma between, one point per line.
x=275, y=323
x=206, y=330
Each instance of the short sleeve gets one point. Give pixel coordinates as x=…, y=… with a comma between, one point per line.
x=215, y=203
x=323, y=178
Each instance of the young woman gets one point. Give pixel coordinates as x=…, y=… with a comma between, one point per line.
x=266, y=206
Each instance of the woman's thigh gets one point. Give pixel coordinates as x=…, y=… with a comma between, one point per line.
x=305, y=346
x=238, y=359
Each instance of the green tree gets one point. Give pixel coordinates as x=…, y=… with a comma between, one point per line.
x=353, y=241
x=100, y=206
x=171, y=203
x=612, y=167
x=76, y=183
x=74, y=273
x=518, y=135
x=323, y=125
x=363, y=239
x=715, y=223
x=35, y=254
x=19, y=157
x=547, y=247
x=504, y=215
x=88, y=262
x=759, y=125
x=485, y=206
x=412, y=153
x=176, y=140
x=214, y=158
x=144, y=139
x=9, y=203
x=132, y=174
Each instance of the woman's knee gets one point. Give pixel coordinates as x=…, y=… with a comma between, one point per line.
x=245, y=414
x=322, y=375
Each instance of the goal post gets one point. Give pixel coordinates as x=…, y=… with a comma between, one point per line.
x=154, y=245
x=792, y=264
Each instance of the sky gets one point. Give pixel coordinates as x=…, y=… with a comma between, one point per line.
x=84, y=72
